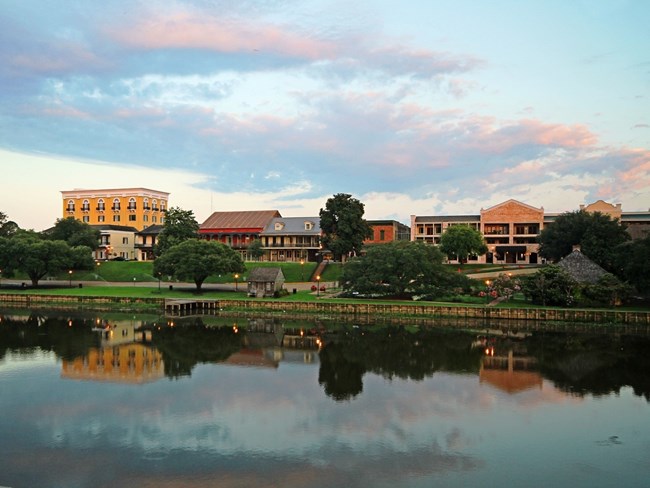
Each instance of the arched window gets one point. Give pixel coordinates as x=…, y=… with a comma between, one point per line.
x=85, y=206
x=154, y=205
x=162, y=207
x=131, y=205
x=116, y=204
x=100, y=205
x=146, y=204
x=70, y=207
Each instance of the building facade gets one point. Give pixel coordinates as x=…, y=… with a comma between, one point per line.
x=384, y=231
x=510, y=230
x=134, y=207
x=116, y=242
x=292, y=239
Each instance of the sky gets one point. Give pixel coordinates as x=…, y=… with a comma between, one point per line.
x=425, y=107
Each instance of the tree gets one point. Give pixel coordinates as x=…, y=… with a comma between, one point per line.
x=597, y=235
x=400, y=268
x=7, y=227
x=462, y=241
x=75, y=233
x=180, y=225
x=196, y=259
x=634, y=263
x=344, y=228
x=39, y=257
x=255, y=250
x=551, y=285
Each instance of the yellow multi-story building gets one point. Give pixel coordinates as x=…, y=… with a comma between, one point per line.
x=133, y=207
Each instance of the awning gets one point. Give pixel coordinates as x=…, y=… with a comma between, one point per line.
x=515, y=249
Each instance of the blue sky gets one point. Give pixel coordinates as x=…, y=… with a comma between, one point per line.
x=414, y=107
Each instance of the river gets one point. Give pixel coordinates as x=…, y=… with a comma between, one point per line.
x=113, y=399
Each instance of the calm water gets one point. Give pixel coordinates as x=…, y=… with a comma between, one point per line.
x=238, y=403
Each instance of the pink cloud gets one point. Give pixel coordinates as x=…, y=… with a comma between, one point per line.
x=55, y=58
x=186, y=30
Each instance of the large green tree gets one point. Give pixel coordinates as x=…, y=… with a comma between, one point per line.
x=400, y=268
x=195, y=259
x=74, y=232
x=37, y=257
x=343, y=226
x=180, y=225
x=255, y=250
x=597, y=234
x=462, y=241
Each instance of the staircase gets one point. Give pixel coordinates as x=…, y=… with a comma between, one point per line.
x=318, y=271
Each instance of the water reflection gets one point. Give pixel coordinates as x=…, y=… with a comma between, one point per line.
x=233, y=401
x=138, y=349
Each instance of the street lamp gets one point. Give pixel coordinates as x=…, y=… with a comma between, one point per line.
x=487, y=291
x=236, y=283
x=302, y=270
x=318, y=285
x=134, y=281
x=70, y=277
x=158, y=281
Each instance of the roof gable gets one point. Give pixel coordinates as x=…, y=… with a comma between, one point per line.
x=512, y=209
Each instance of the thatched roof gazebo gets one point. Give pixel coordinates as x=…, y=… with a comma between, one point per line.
x=581, y=268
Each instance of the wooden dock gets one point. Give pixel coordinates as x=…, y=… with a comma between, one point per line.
x=190, y=306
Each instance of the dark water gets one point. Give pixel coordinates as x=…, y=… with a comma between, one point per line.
x=236, y=403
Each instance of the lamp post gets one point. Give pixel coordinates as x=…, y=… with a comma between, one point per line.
x=236, y=282
x=134, y=281
x=318, y=285
x=70, y=277
x=487, y=291
x=158, y=281
x=302, y=270
x=0, y=278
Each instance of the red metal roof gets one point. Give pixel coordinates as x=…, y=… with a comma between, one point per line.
x=242, y=220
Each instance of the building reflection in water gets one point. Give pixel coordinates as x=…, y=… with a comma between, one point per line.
x=123, y=356
x=507, y=366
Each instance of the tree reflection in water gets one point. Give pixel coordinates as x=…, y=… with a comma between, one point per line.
x=598, y=363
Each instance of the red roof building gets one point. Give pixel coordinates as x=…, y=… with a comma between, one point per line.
x=236, y=229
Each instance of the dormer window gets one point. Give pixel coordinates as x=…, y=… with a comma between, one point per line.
x=309, y=225
x=131, y=205
x=70, y=207
x=85, y=206
x=279, y=225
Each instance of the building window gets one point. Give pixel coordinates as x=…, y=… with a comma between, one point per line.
x=145, y=218
x=132, y=218
x=382, y=235
x=100, y=205
x=100, y=218
x=162, y=220
x=85, y=206
x=279, y=226
x=125, y=240
x=154, y=205
x=85, y=219
x=116, y=218
x=132, y=205
x=154, y=219
x=116, y=204
x=309, y=225
x=146, y=204
x=70, y=207
x=162, y=206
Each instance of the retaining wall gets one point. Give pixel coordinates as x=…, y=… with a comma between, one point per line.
x=358, y=309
